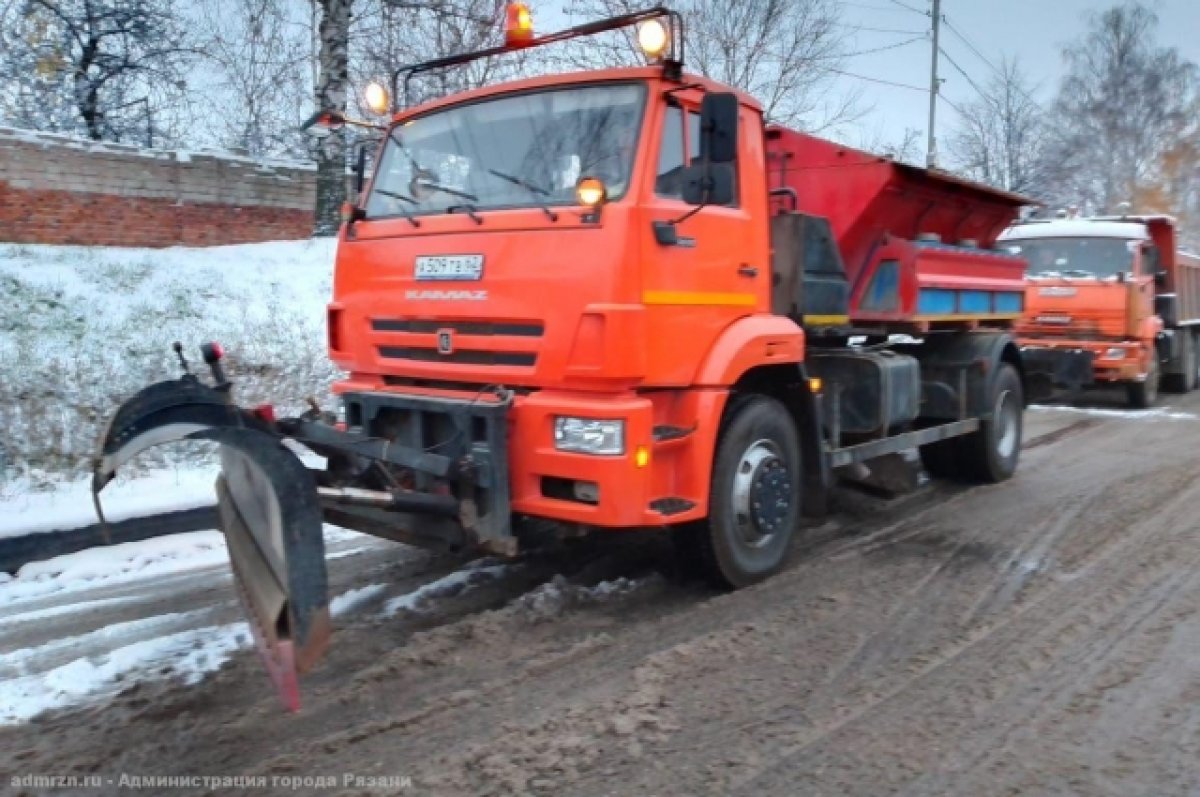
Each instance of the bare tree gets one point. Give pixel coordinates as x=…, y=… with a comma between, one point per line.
x=332, y=91
x=779, y=51
x=1124, y=105
x=908, y=147
x=104, y=67
x=393, y=33
x=1000, y=136
x=257, y=55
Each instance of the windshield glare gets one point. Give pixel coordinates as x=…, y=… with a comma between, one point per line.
x=521, y=150
x=1075, y=257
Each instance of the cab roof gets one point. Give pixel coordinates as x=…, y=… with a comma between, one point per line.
x=646, y=74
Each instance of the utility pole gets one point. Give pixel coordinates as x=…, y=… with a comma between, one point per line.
x=931, y=154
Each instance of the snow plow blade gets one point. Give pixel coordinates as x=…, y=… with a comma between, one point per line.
x=269, y=513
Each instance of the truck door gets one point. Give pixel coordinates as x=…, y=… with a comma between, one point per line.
x=719, y=270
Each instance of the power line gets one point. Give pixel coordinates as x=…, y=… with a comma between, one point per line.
x=885, y=47
x=870, y=7
x=970, y=45
x=907, y=7
x=881, y=81
x=863, y=29
x=963, y=72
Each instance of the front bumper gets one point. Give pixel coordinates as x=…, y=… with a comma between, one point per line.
x=660, y=477
x=1068, y=360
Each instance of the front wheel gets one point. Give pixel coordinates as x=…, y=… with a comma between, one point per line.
x=754, y=499
x=1143, y=394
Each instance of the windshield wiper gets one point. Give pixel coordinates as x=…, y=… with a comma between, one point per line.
x=403, y=198
x=445, y=189
x=467, y=208
x=534, y=191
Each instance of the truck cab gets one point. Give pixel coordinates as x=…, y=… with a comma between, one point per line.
x=474, y=262
x=1104, y=286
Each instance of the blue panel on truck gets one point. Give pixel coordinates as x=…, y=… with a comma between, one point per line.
x=937, y=301
x=1010, y=302
x=975, y=302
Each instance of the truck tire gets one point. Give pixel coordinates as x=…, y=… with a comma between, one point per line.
x=1143, y=394
x=990, y=454
x=1185, y=380
x=754, y=499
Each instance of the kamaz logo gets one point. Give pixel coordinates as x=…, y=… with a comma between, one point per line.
x=446, y=296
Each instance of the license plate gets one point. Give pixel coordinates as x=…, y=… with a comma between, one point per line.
x=449, y=267
x=1054, y=319
x=1056, y=291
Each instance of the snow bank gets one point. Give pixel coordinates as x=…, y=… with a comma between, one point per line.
x=455, y=583
x=130, y=562
x=69, y=504
x=188, y=655
x=1156, y=413
x=82, y=328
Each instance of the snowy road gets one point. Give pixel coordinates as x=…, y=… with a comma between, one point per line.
x=1039, y=637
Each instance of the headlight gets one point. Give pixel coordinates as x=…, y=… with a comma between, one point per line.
x=1114, y=354
x=589, y=436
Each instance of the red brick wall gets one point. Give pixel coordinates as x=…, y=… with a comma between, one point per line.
x=60, y=190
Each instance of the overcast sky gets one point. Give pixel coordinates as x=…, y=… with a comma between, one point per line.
x=1033, y=31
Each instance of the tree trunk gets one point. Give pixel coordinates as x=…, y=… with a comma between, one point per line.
x=331, y=93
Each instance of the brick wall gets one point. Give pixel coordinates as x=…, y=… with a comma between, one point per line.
x=62, y=190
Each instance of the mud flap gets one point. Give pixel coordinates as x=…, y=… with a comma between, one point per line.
x=269, y=512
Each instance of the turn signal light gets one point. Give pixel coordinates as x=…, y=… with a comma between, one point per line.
x=518, y=25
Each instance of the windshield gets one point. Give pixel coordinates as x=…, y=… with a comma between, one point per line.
x=1074, y=257
x=520, y=150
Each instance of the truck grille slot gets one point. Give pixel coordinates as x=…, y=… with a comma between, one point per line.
x=460, y=357
x=526, y=329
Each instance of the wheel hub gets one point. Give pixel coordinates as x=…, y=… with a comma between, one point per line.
x=762, y=494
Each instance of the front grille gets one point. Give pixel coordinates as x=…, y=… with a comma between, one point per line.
x=396, y=340
x=528, y=329
x=460, y=357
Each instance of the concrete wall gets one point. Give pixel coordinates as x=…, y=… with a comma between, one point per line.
x=62, y=190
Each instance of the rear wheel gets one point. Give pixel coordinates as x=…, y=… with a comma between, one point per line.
x=1185, y=380
x=754, y=499
x=991, y=453
x=1144, y=394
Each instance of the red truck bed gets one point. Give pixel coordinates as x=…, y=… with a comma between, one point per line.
x=916, y=244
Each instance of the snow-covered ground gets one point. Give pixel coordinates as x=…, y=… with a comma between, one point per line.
x=82, y=328
x=68, y=504
x=96, y=662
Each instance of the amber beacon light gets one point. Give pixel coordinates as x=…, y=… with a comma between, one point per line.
x=518, y=25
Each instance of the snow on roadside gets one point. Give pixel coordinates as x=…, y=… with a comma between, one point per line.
x=188, y=655
x=456, y=583
x=132, y=561
x=83, y=328
x=69, y=504
x=1155, y=413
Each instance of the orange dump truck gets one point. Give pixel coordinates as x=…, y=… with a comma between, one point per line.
x=1116, y=288
x=606, y=301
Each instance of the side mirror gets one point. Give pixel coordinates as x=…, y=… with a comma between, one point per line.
x=719, y=127
x=708, y=184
